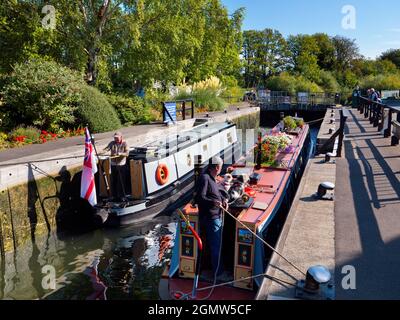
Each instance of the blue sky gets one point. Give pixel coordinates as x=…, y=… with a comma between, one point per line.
x=377, y=22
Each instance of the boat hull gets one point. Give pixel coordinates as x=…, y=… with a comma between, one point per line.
x=160, y=203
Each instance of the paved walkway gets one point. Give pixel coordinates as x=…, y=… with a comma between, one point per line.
x=367, y=213
x=307, y=238
x=101, y=138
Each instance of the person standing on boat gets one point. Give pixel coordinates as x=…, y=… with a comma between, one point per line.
x=119, y=152
x=209, y=200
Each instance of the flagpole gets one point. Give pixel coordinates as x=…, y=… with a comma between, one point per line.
x=101, y=165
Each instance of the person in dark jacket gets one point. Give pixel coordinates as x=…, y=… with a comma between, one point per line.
x=209, y=199
x=355, y=96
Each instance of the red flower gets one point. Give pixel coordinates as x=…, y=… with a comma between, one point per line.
x=20, y=139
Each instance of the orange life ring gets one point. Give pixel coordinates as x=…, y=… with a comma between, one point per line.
x=162, y=174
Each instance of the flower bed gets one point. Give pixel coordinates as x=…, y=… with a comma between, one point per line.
x=17, y=138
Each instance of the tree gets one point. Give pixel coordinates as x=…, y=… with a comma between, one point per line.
x=265, y=54
x=326, y=51
x=366, y=67
x=21, y=34
x=96, y=28
x=305, y=51
x=392, y=55
x=221, y=42
x=346, y=51
x=169, y=35
x=230, y=62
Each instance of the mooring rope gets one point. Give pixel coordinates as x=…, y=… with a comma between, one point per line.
x=213, y=286
x=312, y=121
x=247, y=278
x=47, y=160
x=264, y=242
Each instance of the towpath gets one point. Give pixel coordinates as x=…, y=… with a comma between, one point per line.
x=11, y=155
x=367, y=213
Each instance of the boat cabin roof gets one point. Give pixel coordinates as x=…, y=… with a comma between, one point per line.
x=172, y=143
x=270, y=187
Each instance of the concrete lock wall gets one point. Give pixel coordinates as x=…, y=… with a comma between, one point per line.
x=36, y=196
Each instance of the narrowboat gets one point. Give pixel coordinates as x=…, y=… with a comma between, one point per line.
x=160, y=174
x=259, y=199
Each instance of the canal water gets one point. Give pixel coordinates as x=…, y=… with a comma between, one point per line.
x=123, y=263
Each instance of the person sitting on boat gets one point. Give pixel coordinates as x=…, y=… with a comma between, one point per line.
x=209, y=200
x=119, y=152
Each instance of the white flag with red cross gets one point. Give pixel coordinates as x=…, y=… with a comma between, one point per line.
x=88, y=187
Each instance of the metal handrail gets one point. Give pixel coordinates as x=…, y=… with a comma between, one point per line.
x=314, y=98
x=183, y=110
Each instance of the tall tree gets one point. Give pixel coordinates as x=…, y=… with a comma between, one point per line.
x=95, y=26
x=169, y=35
x=220, y=36
x=305, y=51
x=326, y=51
x=346, y=51
x=21, y=33
x=230, y=63
x=265, y=53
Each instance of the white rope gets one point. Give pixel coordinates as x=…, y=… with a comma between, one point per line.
x=244, y=279
x=263, y=241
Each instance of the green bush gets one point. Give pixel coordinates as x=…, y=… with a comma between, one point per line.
x=304, y=85
x=381, y=82
x=289, y=123
x=155, y=97
x=131, y=110
x=299, y=122
x=30, y=133
x=328, y=82
x=292, y=84
x=206, y=99
x=282, y=82
x=4, y=143
x=95, y=110
x=41, y=93
x=233, y=94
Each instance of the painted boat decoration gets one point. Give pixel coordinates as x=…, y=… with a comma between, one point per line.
x=263, y=196
x=161, y=173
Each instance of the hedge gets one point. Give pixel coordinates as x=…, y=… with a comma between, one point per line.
x=95, y=110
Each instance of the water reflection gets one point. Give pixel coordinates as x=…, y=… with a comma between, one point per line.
x=123, y=263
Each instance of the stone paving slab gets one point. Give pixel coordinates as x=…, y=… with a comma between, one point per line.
x=308, y=235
